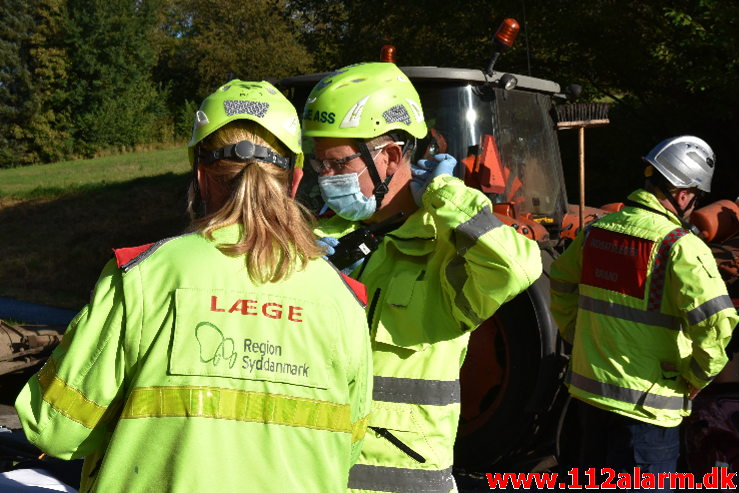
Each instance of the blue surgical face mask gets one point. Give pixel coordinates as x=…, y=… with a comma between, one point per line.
x=343, y=195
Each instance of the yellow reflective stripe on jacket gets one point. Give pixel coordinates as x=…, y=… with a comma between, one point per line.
x=563, y=287
x=359, y=428
x=67, y=400
x=220, y=403
x=709, y=308
x=699, y=372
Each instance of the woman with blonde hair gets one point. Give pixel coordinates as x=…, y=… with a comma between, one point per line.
x=232, y=358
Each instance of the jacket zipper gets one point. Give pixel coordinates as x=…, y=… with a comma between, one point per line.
x=383, y=432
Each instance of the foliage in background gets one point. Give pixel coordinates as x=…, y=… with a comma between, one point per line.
x=203, y=45
x=668, y=67
x=49, y=119
x=79, y=77
x=14, y=74
x=114, y=99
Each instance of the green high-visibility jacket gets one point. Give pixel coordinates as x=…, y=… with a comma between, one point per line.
x=183, y=375
x=642, y=302
x=431, y=281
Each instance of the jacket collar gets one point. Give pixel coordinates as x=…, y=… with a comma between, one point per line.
x=650, y=201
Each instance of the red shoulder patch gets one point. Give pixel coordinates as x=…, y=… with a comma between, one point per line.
x=125, y=255
x=360, y=290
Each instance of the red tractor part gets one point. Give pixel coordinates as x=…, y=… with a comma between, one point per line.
x=571, y=220
x=717, y=221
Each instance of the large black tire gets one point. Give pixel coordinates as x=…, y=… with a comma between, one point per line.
x=510, y=380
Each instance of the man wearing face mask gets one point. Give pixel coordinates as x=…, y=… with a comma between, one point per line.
x=444, y=265
x=641, y=300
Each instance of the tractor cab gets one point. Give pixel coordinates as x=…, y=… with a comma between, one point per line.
x=501, y=128
x=498, y=127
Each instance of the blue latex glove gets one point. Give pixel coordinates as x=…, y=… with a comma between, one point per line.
x=328, y=245
x=426, y=170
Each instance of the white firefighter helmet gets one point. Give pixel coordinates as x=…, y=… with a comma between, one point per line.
x=685, y=161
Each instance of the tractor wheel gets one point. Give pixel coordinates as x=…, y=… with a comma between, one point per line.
x=498, y=379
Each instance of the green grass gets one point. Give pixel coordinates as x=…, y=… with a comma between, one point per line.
x=59, y=179
x=59, y=222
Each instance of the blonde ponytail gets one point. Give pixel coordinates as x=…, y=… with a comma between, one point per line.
x=277, y=231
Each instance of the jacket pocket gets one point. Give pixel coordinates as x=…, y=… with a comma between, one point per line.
x=400, y=313
x=709, y=265
x=399, y=426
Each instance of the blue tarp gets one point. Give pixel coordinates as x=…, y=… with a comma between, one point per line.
x=32, y=313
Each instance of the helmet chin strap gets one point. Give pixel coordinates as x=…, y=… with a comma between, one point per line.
x=680, y=211
x=381, y=186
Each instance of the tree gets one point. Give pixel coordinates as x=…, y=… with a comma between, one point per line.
x=49, y=124
x=15, y=78
x=669, y=67
x=205, y=44
x=113, y=100
x=425, y=32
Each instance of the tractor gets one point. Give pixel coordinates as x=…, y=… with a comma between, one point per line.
x=503, y=129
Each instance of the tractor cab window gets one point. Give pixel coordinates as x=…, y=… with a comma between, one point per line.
x=505, y=141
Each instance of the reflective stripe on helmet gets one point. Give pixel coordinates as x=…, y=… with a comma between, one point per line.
x=259, y=102
x=363, y=101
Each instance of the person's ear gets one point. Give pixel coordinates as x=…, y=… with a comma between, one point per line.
x=394, y=154
x=683, y=196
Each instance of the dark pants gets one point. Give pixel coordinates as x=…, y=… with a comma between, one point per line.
x=620, y=443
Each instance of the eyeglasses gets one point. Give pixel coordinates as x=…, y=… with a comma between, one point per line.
x=338, y=164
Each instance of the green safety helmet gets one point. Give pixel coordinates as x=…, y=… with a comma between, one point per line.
x=260, y=102
x=363, y=101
